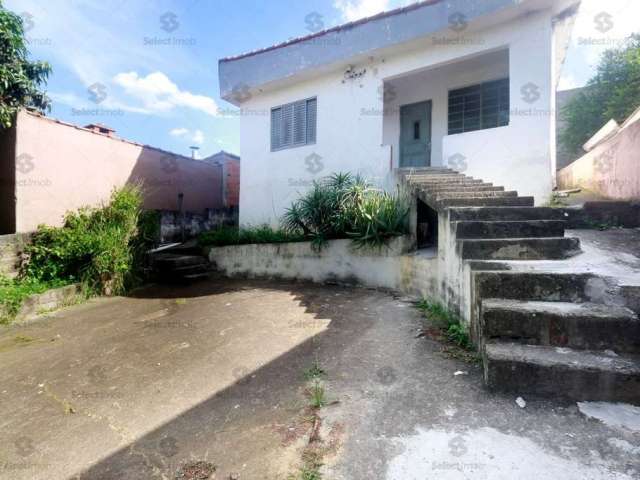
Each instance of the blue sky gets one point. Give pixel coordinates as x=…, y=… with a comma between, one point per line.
x=111, y=65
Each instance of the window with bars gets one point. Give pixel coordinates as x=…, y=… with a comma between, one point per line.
x=479, y=107
x=293, y=124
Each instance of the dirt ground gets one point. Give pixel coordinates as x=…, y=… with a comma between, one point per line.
x=135, y=388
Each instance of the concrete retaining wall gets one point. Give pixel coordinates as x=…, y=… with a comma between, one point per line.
x=172, y=223
x=390, y=268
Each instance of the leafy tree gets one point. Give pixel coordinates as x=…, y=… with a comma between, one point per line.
x=614, y=92
x=20, y=79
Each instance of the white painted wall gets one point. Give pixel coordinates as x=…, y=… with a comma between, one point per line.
x=351, y=128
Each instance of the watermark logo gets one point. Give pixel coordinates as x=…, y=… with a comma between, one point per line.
x=457, y=446
x=241, y=92
x=24, y=446
x=314, y=22
x=386, y=375
x=168, y=447
x=97, y=374
x=169, y=22
x=168, y=164
x=97, y=93
x=603, y=22
x=457, y=162
x=27, y=21
x=604, y=163
x=530, y=92
x=24, y=163
x=458, y=22
x=314, y=163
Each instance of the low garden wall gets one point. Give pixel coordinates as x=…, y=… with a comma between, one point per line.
x=391, y=267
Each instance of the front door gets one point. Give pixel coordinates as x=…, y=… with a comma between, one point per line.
x=415, y=135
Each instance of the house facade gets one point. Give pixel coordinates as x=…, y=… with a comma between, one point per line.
x=470, y=85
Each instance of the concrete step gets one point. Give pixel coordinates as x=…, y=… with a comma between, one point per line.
x=505, y=213
x=486, y=194
x=487, y=202
x=427, y=171
x=520, y=248
x=561, y=372
x=170, y=261
x=546, y=287
x=448, y=180
x=480, y=187
x=509, y=229
x=585, y=326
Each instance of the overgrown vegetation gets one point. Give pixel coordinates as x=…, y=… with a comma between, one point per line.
x=14, y=291
x=347, y=206
x=614, y=92
x=315, y=371
x=447, y=322
x=20, y=79
x=102, y=248
x=242, y=236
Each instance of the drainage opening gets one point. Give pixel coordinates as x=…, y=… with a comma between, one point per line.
x=427, y=226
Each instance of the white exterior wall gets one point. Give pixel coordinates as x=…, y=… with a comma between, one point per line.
x=350, y=128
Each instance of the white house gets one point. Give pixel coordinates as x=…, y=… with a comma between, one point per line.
x=460, y=83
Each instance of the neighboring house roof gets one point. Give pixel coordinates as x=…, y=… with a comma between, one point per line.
x=221, y=156
x=242, y=75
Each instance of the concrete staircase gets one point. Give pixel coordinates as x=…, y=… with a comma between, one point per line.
x=180, y=263
x=539, y=333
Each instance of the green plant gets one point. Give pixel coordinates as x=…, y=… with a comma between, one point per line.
x=314, y=371
x=13, y=292
x=346, y=206
x=317, y=394
x=99, y=247
x=614, y=92
x=20, y=79
x=247, y=235
x=446, y=321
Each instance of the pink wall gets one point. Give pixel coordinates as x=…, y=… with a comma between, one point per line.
x=611, y=169
x=60, y=167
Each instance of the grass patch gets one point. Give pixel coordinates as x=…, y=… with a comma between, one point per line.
x=247, y=235
x=317, y=395
x=449, y=323
x=13, y=292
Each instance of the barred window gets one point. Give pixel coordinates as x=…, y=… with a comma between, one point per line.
x=479, y=107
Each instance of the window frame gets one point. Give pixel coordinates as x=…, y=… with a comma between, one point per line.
x=307, y=127
x=482, y=114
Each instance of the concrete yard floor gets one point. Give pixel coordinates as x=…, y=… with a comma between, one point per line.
x=132, y=388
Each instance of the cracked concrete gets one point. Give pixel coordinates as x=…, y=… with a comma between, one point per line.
x=133, y=388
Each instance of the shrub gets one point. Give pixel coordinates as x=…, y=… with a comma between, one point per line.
x=446, y=321
x=344, y=206
x=100, y=247
x=14, y=291
x=242, y=236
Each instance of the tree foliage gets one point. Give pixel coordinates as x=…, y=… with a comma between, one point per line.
x=614, y=92
x=20, y=79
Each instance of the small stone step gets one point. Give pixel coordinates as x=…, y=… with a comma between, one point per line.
x=454, y=180
x=547, y=287
x=561, y=372
x=487, y=202
x=586, y=326
x=509, y=229
x=440, y=196
x=480, y=187
x=520, y=248
x=505, y=213
x=172, y=261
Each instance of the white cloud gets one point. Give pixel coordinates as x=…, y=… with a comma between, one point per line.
x=197, y=136
x=178, y=132
x=158, y=93
x=352, y=10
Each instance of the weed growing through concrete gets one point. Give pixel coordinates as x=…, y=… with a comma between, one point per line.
x=317, y=395
x=314, y=371
x=449, y=327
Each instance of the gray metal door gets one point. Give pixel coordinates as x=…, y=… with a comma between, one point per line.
x=415, y=135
